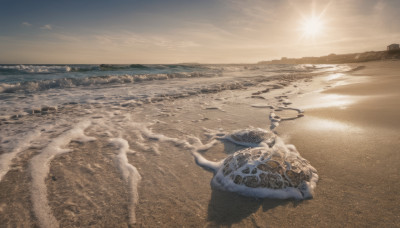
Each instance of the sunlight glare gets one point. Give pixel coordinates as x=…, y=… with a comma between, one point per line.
x=312, y=26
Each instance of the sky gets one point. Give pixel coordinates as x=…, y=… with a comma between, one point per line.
x=182, y=31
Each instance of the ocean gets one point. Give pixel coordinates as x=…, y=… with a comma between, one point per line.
x=24, y=88
x=116, y=145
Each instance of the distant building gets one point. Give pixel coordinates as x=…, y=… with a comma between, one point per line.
x=393, y=47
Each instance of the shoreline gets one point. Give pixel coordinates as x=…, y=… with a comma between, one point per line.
x=175, y=191
x=354, y=146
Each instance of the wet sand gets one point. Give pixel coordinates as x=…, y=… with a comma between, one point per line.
x=355, y=148
x=350, y=137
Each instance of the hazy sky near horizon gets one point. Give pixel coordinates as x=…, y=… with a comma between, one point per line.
x=204, y=31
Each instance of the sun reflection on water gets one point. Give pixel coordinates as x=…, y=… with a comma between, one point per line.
x=334, y=76
x=331, y=125
x=332, y=100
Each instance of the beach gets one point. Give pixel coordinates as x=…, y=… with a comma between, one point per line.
x=355, y=149
x=121, y=154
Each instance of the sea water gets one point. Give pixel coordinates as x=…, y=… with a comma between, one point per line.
x=27, y=88
x=104, y=145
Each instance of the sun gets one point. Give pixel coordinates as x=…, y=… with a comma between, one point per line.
x=312, y=27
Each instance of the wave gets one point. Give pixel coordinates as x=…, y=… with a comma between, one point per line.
x=33, y=86
x=185, y=67
x=85, y=68
x=34, y=69
x=109, y=67
x=49, y=69
x=153, y=68
x=135, y=73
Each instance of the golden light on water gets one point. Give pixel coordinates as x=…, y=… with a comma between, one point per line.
x=321, y=124
x=332, y=100
x=335, y=76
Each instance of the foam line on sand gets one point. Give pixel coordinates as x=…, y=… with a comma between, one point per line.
x=40, y=167
x=129, y=173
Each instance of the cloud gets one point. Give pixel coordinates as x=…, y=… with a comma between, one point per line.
x=64, y=36
x=47, y=27
x=379, y=6
x=129, y=39
x=27, y=24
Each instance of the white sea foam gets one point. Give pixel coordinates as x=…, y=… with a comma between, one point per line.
x=125, y=95
x=261, y=106
x=287, y=152
x=61, y=83
x=36, y=68
x=129, y=173
x=40, y=166
x=294, y=109
x=146, y=132
x=197, y=144
x=225, y=178
x=201, y=161
x=23, y=144
x=252, y=137
x=274, y=120
x=128, y=90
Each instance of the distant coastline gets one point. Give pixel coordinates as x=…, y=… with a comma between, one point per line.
x=342, y=58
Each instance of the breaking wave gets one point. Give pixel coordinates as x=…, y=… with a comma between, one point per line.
x=32, y=86
x=49, y=69
x=34, y=69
